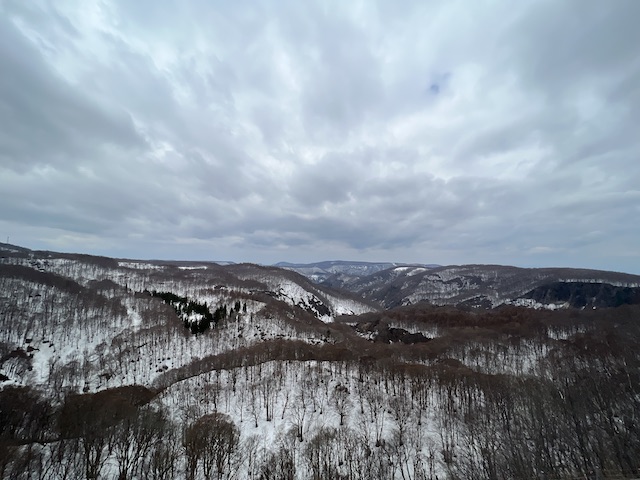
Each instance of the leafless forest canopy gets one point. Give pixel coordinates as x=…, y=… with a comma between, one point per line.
x=103, y=375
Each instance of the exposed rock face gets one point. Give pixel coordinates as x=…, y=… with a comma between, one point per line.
x=379, y=331
x=581, y=294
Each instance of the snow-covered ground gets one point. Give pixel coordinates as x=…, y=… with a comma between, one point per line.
x=400, y=416
x=286, y=404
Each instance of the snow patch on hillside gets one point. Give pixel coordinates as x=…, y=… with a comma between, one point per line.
x=416, y=270
x=140, y=266
x=530, y=303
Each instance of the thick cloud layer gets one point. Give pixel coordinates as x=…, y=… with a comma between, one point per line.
x=439, y=132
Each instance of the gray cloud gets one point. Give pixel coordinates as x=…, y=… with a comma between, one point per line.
x=443, y=132
x=45, y=121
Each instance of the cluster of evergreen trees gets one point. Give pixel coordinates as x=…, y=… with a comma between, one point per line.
x=185, y=309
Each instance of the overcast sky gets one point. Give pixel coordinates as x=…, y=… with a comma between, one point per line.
x=438, y=132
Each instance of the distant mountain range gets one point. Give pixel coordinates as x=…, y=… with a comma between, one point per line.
x=478, y=286
x=340, y=272
x=326, y=288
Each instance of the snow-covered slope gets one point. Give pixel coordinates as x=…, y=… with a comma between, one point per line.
x=296, y=290
x=88, y=323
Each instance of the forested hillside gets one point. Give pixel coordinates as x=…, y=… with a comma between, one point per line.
x=124, y=369
x=490, y=286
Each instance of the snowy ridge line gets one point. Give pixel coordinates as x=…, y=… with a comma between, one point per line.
x=139, y=276
x=257, y=354
x=299, y=292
